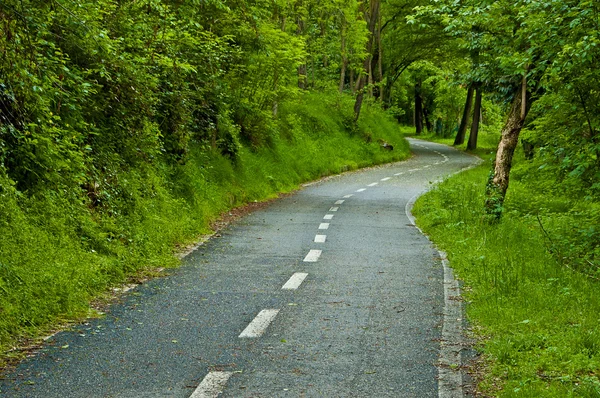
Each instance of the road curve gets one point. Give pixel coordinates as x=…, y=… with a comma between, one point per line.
x=330, y=292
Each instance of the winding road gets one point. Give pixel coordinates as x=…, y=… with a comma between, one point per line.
x=329, y=292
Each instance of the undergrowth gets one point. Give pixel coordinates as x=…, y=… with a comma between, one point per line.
x=533, y=298
x=60, y=249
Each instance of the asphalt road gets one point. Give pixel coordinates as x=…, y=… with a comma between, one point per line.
x=330, y=292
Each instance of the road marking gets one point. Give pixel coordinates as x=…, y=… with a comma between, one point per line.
x=411, y=170
x=324, y=225
x=259, y=324
x=425, y=167
x=399, y=174
x=334, y=209
x=295, y=281
x=312, y=256
x=212, y=385
x=339, y=202
x=373, y=184
x=328, y=217
x=361, y=190
x=385, y=179
x=348, y=196
x=320, y=238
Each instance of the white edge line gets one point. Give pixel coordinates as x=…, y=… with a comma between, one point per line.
x=259, y=324
x=295, y=281
x=212, y=385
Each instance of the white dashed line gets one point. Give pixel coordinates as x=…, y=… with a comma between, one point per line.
x=426, y=167
x=259, y=324
x=385, y=179
x=361, y=190
x=348, y=196
x=373, y=184
x=399, y=174
x=324, y=225
x=212, y=385
x=312, y=256
x=334, y=209
x=295, y=281
x=411, y=170
x=339, y=202
x=320, y=238
x=328, y=217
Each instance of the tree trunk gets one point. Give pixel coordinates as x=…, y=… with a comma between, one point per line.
x=372, y=18
x=302, y=76
x=344, y=57
x=352, y=86
x=426, y=118
x=418, y=110
x=343, y=75
x=462, y=130
x=472, y=144
x=302, y=68
x=498, y=183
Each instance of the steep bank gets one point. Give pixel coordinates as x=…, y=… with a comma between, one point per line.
x=63, y=247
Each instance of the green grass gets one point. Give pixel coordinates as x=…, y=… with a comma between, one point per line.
x=57, y=252
x=535, y=313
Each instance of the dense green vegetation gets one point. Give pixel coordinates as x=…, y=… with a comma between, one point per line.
x=528, y=253
x=58, y=251
x=536, y=320
x=126, y=127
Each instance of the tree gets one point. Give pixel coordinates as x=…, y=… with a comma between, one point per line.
x=462, y=129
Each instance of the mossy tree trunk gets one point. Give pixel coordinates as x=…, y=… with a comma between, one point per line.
x=499, y=178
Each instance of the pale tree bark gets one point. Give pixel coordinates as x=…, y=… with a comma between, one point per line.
x=462, y=129
x=472, y=144
x=499, y=179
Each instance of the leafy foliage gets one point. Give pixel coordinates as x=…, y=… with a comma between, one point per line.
x=127, y=126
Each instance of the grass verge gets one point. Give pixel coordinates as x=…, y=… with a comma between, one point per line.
x=533, y=309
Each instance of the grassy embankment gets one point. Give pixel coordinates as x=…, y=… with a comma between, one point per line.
x=532, y=293
x=57, y=253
